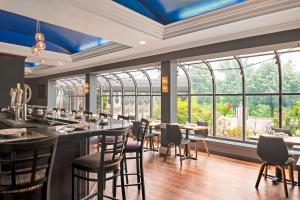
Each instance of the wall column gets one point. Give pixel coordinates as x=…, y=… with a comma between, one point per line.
x=169, y=99
x=91, y=93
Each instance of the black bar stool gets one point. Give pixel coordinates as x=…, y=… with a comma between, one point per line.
x=139, y=130
x=102, y=163
x=25, y=168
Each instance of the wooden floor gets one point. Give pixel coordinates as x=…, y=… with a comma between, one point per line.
x=208, y=178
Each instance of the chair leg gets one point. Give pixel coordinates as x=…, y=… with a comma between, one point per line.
x=175, y=151
x=263, y=165
x=122, y=181
x=125, y=167
x=180, y=156
x=189, y=152
x=206, y=147
x=266, y=172
x=284, y=181
x=101, y=185
x=291, y=174
x=142, y=176
x=196, y=148
x=167, y=153
x=138, y=170
x=114, y=183
x=74, y=185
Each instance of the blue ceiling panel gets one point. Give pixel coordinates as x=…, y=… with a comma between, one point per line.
x=30, y=64
x=169, y=11
x=20, y=30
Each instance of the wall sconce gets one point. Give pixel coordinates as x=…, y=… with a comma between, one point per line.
x=165, y=84
x=86, y=88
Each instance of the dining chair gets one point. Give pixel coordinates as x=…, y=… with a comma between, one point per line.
x=153, y=137
x=175, y=139
x=104, y=115
x=122, y=117
x=88, y=113
x=134, y=150
x=273, y=152
x=74, y=112
x=25, y=168
x=63, y=110
x=200, y=136
x=105, y=164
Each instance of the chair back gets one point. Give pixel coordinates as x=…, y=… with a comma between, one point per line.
x=283, y=130
x=104, y=115
x=272, y=150
x=140, y=129
x=203, y=132
x=122, y=117
x=173, y=134
x=26, y=164
x=87, y=113
x=112, y=149
x=74, y=112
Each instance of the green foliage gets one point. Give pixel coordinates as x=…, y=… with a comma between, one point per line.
x=260, y=110
x=225, y=109
x=182, y=110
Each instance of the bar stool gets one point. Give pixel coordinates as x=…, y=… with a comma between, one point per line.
x=139, y=130
x=25, y=168
x=102, y=163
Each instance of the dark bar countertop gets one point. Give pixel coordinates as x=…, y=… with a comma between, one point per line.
x=70, y=146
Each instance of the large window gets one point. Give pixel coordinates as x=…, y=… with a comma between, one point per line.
x=70, y=93
x=130, y=93
x=242, y=95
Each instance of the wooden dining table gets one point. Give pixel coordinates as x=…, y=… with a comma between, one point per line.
x=289, y=140
x=186, y=127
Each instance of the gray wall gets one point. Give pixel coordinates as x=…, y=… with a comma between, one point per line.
x=12, y=72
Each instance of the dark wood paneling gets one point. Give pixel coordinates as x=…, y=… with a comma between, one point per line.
x=12, y=72
x=38, y=97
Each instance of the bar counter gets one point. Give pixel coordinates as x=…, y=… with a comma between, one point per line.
x=70, y=146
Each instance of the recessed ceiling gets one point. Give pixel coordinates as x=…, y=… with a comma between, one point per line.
x=126, y=28
x=20, y=30
x=169, y=11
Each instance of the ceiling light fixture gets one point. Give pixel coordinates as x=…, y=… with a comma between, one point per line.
x=143, y=42
x=40, y=41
